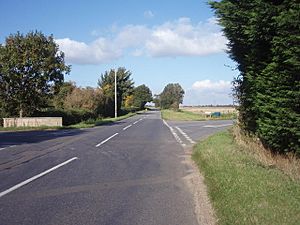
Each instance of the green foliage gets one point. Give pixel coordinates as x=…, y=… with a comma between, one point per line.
x=171, y=96
x=70, y=116
x=242, y=189
x=156, y=101
x=264, y=40
x=141, y=95
x=60, y=97
x=31, y=68
x=124, y=88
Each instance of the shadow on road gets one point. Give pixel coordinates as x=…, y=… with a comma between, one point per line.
x=26, y=137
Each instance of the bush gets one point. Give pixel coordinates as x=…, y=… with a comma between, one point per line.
x=127, y=110
x=69, y=116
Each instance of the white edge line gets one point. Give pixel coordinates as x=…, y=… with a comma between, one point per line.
x=35, y=177
x=125, y=128
x=107, y=139
x=136, y=122
x=7, y=147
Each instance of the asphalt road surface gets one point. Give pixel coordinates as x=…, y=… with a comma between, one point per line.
x=126, y=173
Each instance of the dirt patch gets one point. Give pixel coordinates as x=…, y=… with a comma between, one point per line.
x=195, y=182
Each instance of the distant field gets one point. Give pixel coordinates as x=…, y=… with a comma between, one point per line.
x=185, y=115
x=206, y=109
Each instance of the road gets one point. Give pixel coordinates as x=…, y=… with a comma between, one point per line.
x=129, y=172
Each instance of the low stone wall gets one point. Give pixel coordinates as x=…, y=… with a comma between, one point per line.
x=33, y=122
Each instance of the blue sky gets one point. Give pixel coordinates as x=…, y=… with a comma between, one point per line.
x=160, y=42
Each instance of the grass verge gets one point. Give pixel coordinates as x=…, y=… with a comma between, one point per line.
x=99, y=122
x=84, y=124
x=242, y=189
x=183, y=115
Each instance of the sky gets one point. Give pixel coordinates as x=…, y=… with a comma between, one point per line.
x=159, y=41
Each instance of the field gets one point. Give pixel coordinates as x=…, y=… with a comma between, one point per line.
x=185, y=115
x=209, y=109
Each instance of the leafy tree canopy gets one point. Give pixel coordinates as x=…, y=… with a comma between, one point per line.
x=124, y=88
x=171, y=96
x=31, y=69
x=141, y=95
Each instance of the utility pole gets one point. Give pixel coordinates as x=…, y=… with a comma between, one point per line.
x=116, y=105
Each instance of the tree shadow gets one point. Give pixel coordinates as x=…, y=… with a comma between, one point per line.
x=8, y=138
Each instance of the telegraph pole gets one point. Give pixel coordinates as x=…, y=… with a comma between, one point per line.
x=116, y=105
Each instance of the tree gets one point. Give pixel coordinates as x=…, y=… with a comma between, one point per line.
x=156, y=101
x=141, y=95
x=124, y=88
x=264, y=41
x=65, y=89
x=31, y=69
x=171, y=96
x=128, y=101
x=90, y=99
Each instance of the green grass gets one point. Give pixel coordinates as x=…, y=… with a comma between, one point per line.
x=182, y=115
x=85, y=124
x=29, y=128
x=242, y=190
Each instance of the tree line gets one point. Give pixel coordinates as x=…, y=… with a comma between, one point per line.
x=32, y=70
x=264, y=42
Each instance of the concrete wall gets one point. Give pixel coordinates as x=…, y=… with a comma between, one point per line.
x=32, y=122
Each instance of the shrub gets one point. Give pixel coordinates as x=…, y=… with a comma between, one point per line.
x=69, y=116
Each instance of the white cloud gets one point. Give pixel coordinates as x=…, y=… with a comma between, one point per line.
x=148, y=14
x=132, y=36
x=171, y=39
x=208, y=85
x=99, y=51
x=206, y=92
x=182, y=38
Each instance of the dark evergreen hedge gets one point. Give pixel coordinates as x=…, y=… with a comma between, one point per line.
x=264, y=40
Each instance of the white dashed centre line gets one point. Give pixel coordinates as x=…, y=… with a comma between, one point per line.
x=125, y=128
x=107, y=139
x=35, y=177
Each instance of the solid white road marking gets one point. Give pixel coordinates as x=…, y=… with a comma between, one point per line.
x=7, y=147
x=186, y=136
x=216, y=126
x=125, y=128
x=136, y=122
x=107, y=139
x=35, y=177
